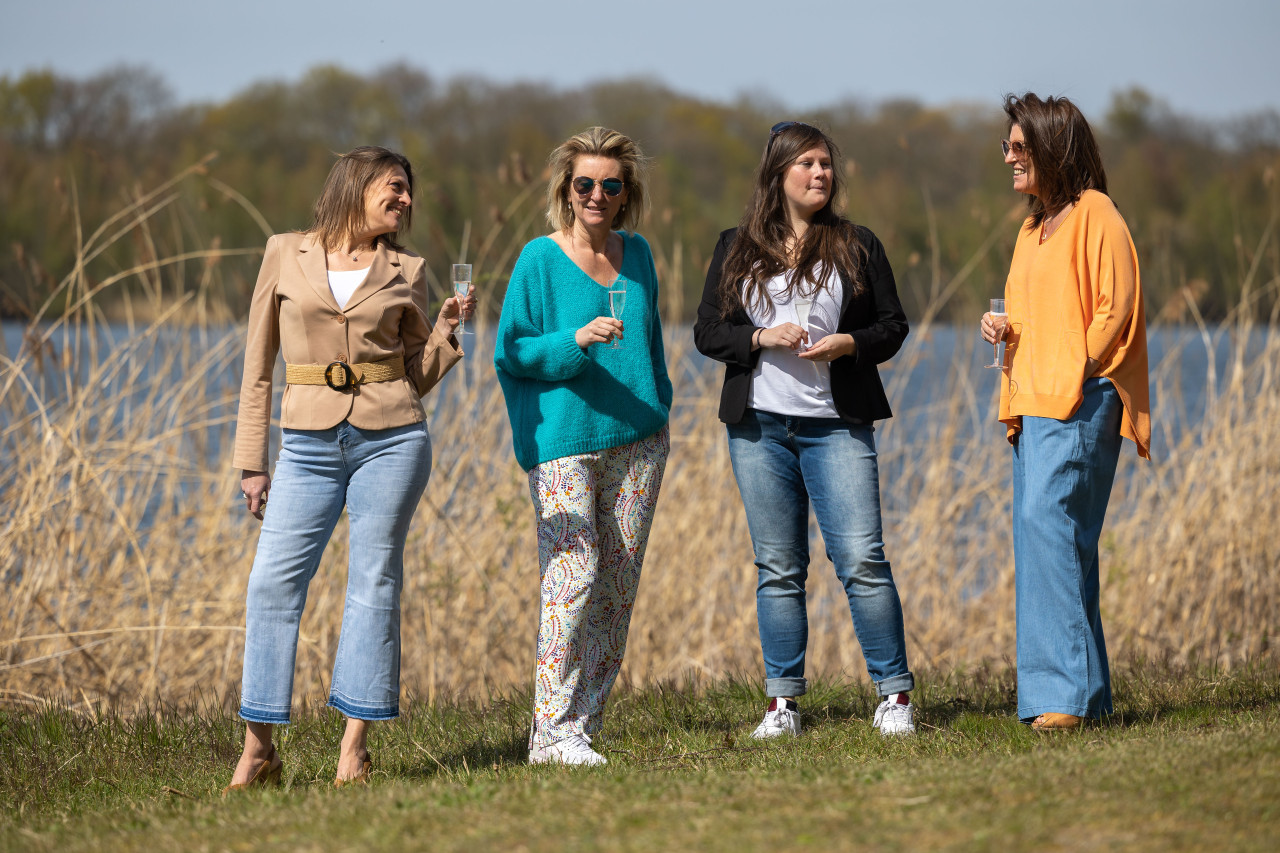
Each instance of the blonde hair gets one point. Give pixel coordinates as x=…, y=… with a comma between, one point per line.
x=339, y=211
x=597, y=142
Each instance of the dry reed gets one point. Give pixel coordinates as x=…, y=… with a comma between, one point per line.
x=125, y=554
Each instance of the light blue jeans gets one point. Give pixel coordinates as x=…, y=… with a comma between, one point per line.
x=379, y=476
x=1062, y=476
x=782, y=463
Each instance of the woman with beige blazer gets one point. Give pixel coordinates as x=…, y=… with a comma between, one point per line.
x=346, y=305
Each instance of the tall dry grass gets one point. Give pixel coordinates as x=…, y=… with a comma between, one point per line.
x=124, y=550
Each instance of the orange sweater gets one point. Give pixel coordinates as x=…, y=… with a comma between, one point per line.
x=1074, y=297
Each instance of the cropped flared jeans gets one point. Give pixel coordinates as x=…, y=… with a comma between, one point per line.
x=782, y=463
x=379, y=476
x=1062, y=477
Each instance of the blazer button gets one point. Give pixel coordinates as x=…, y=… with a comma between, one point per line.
x=341, y=319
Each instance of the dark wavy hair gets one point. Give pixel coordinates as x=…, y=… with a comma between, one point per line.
x=1062, y=151
x=759, y=252
x=339, y=211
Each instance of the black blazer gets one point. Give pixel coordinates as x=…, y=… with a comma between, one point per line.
x=875, y=320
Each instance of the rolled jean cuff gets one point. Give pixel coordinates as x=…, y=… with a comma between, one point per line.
x=787, y=687
x=896, y=684
x=263, y=714
x=357, y=711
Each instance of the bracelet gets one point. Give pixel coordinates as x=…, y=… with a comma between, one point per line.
x=755, y=339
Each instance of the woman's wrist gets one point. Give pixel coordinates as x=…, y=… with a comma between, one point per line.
x=755, y=339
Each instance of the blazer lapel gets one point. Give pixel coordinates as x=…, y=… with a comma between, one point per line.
x=383, y=270
x=311, y=259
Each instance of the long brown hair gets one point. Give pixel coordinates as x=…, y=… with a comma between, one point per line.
x=339, y=211
x=1062, y=151
x=759, y=252
x=597, y=142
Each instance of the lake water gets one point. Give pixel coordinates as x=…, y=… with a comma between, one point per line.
x=1187, y=364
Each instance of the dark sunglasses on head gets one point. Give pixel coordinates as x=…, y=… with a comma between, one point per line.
x=1018, y=148
x=585, y=186
x=781, y=126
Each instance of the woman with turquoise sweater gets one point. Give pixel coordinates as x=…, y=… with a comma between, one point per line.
x=587, y=393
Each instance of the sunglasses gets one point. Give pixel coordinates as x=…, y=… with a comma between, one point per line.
x=585, y=186
x=1019, y=149
x=781, y=126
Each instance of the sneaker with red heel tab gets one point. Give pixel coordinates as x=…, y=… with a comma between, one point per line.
x=782, y=718
x=896, y=716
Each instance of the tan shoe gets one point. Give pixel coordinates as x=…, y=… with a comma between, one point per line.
x=268, y=773
x=361, y=778
x=1053, y=722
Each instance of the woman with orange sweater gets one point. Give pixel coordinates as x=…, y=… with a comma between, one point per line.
x=1074, y=384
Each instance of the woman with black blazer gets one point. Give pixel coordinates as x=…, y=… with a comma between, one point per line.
x=800, y=304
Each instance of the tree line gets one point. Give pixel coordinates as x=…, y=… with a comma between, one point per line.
x=1200, y=198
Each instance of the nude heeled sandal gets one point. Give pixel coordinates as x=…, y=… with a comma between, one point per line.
x=268, y=773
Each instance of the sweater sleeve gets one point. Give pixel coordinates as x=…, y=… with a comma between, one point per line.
x=657, y=353
x=526, y=347
x=880, y=341
x=725, y=339
x=1112, y=279
x=262, y=346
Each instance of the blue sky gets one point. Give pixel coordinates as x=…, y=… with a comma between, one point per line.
x=1208, y=60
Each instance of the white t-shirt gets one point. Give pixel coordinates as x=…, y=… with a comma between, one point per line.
x=344, y=283
x=783, y=383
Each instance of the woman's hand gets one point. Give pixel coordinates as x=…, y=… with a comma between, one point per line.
x=254, y=486
x=786, y=336
x=601, y=330
x=454, y=310
x=830, y=347
x=995, y=327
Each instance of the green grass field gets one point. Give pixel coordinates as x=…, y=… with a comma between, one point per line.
x=1191, y=760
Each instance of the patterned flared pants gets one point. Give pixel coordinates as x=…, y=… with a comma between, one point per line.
x=594, y=512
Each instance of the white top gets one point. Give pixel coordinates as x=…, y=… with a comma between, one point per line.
x=344, y=283
x=783, y=383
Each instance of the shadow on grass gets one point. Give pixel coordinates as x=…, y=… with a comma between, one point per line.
x=76, y=758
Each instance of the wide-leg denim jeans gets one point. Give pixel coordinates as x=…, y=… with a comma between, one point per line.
x=1062, y=477
x=782, y=463
x=379, y=476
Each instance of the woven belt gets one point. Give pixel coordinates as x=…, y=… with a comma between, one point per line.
x=340, y=376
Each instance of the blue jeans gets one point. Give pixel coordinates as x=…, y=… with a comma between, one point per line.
x=781, y=463
x=1062, y=476
x=379, y=476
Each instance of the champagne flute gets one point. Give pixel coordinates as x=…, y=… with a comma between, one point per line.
x=997, y=310
x=802, y=307
x=617, y=301
x=461, y=287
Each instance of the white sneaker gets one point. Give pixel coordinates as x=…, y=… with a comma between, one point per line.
x=777, y=723
x=894, y=719
x=575, y=749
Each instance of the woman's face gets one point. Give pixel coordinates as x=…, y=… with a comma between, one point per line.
x=385, y=202
x=596, y=209
x=806, y=185
x=1019, y=157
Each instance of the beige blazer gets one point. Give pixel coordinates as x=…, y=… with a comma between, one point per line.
x=294, y=312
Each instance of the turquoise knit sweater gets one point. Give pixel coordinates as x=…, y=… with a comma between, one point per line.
x=562, y=400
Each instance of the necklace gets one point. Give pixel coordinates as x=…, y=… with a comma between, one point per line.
x=1050, y=224
x=355, y=253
